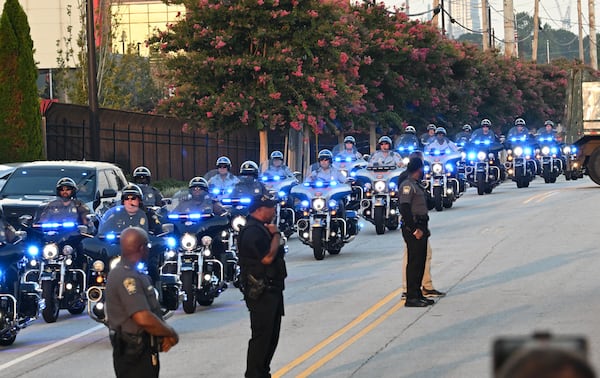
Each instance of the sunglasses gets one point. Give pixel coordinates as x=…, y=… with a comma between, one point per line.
x=324, y=158
x=66, y=189
x=131, y=198
x=197, y=188
x=222, y=166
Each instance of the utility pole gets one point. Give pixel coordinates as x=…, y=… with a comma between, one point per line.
x=434, y=19
x=580, y=28
x=536, y=29
x=485, y=25
x=92, y=83
x=509, y=29
x=593, y=46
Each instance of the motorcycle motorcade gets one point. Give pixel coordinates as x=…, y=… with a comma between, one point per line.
x=573, y=169
x=379, y=204
x=198, y=253
x=549, y=155
x=104, y=252
x=405, y=145
x=280, y=187
x=324, y=223
x=20, y=301
x=521, y=165
x=441, y=178
x=54, y=237
x=481, y=166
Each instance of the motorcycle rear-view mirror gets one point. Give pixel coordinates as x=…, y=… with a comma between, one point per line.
x=109, y=193
x=25, y=219
x=22, y=235
x=168, y=228
x=298, y=175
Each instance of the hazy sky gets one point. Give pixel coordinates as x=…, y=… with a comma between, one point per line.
x=551, y=12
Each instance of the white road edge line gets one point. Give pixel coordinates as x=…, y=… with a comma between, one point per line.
x=51, y=346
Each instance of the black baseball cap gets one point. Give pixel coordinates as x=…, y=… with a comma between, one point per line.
x=414, y=165
x=261, y=201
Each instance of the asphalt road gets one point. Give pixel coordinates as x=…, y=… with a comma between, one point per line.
x=512, y=262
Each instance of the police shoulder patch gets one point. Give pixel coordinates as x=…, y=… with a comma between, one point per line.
x=142, y=221
x=406, y=189
x=129, y=284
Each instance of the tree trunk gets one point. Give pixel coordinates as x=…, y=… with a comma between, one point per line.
x=263, y=138
x=372, y=139
x=306, y=150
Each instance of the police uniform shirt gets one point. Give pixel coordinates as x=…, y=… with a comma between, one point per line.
x=385, y=159
x=127, y=292
x=255, y=244
x=330, y=174
x=125, y=220
x=58, y=209
x=221, y=183
x=412, y=193
x=152, y=196
x=436, y=145
x=354, y=154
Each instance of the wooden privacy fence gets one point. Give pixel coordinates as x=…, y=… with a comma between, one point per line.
x=131, y=139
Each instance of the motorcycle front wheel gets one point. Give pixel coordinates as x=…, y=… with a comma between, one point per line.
x=187, y=283
x=379, y=220
x=8, y=340
x=317, y=244
x=480, y=183
x=437, y=197
x=50, y=296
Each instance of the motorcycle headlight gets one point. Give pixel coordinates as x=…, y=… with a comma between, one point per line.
x=169, y=255
x=481, y=155
x=238, y=222
x=436, y=168
x=206, y=240
x=98, y=266
x=567, y=150
x=114, y=262
x=189, y=242
x=67, y=250
x=50, y=251
x=318, y=204
x=545, y=150
x=379, y=186
x=518, y=151
x=405, y=161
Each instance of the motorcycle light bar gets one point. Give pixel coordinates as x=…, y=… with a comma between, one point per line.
x=54, y=225
x=111, y=236
x=216, y=191
x=33, y=250
x=245, y=200
x=226, y=200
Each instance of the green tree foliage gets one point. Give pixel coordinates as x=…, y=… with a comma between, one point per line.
x=20, y=119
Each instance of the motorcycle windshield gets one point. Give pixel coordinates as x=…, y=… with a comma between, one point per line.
x=242, y=193
x=185, y=207
x=57, y=215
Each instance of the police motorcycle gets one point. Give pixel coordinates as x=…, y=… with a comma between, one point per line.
x=349, y=163
x=54, y=238
x=280, y=187
x=441, y=180
x=20, y=301
x=550, y=158
x=324, y=224
x=521, y=164
x=104, y=252
x=199, y=237
x=479, y=164
x=407, y=143
x=573, y=169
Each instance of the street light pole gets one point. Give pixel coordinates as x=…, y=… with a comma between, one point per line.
x=92, y=83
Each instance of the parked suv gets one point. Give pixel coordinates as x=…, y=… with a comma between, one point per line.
x=31, y=184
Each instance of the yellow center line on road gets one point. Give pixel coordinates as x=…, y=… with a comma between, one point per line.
x=331, y=355
x=540, y=196
x=338, y=333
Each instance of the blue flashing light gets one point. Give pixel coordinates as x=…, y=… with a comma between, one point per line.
x=513, y=139
x=333, y=183
x=449, y=167
x=486, y=142
x=338, y=159
x=304, y=203
x=411, y=148
x=553, y=150
x=319, y=184
x=276, y=178
x=573, y=149
x=141, y=267
x=400, y=148
x=195, y=216
x=69, y=224
x=111, y=236
x=33, y=250
x=226, y=200
x=353, y=174
x=437, y=152
x=173, y=216
x=306, y=183
x=171, y=242
x=229, y=190
x=477, y=141
x=527, y=150
x=426, y=168
x=281, y=193
x=332, y=203
x=348, y=159
x=216, y=191
x=264, y=178
x=471, y=155
x=245, y=200
x=447, y=151
x=392, y=185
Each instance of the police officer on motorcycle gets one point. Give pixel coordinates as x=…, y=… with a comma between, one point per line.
x=248, y=179
x=276, y=166
x=349, y=149
x=548, y=131
x=67, y=202
x=485, y=132
x=198, y=196
x=224, y=179
x=325, y=171
x=519, y=130
x=385, y=156
x=464, y=136
x=440, y=142
x=427, y=136
x=415, y=231
x=409, y=138
x=142, y=177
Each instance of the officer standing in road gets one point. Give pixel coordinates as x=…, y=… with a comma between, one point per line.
x=137, y=331
x=413, y=208
x=262, y=275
